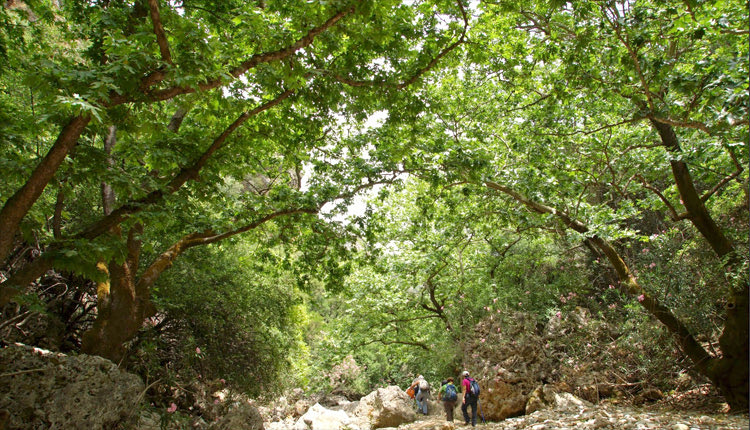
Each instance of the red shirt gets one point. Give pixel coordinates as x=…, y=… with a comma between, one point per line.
x=467, y=386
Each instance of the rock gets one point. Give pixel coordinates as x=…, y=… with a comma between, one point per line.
x=543, y=397
x=601, y=416
x=241, y=416
x=284, y=424
x=434, y=408
x=348, y=407
x=320, y=418
x=42, y=389
x=386, y=407
x=569, y=402
x=500, y=399
x=331, y=401
x=600, y=423
x=149, y=420
x=648, y=395
x=301, y=406
x=433, y=424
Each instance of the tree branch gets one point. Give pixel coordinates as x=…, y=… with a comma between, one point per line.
x=164, y=261
x=721, y=184
x=253, y=61
x=672, y=211
x=185, y=174
x=419, y=72
x=684, y=124
x=628, y=282
x=18, y=205
x=37, y=267
x=393, y=342
x=161, y=36
x=697, y=212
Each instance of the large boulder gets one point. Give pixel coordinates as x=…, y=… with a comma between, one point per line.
x=387, y=407
x=42, y=389
x=505, y=395
x=320, y=418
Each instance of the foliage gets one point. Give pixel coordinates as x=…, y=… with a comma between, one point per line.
x=558, y=105
x=498, y=172
x=229, y=315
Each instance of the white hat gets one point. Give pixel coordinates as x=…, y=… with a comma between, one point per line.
x=466, y=373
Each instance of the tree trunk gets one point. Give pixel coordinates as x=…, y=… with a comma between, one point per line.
x=697, y=212
x=730, y=372
x=121, y=313
x=121, y=306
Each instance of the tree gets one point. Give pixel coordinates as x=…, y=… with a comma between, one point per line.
x=591, y=115
x=194, y=98
x=651, y=67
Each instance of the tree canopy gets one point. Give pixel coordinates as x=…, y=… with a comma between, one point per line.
x=529, y=157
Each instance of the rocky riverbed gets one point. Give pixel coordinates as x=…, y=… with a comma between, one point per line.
x=699, y=409
x=598, y=417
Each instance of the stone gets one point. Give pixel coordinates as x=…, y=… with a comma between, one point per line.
x=648, y=395
x=433, y=424
x=301, y=406
x=501, y=399
x=43, y=389
x=149, y=420
x=569, y=402
x=241, y=416
x=386, y=407
x=319, y=417
x=543, y=397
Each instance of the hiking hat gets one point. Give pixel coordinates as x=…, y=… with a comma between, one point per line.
x=466, y=373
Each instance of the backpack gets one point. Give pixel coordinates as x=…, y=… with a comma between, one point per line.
x=423, y=385
x=450, y=393
x=410, y=392
x=474, y=392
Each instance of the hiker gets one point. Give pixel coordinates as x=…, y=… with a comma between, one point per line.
x=423, y=395
x=469, y=400
x=449, y=395
x=415, y=388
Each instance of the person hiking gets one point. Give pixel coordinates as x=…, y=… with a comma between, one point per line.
x=449, y=395
x=419, y=396
x=469, y=399
x=423, y=395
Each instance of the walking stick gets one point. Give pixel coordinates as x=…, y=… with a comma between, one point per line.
x=481, y=414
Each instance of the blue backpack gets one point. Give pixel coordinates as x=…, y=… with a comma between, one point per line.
x=474, y=392
x=450, y=393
